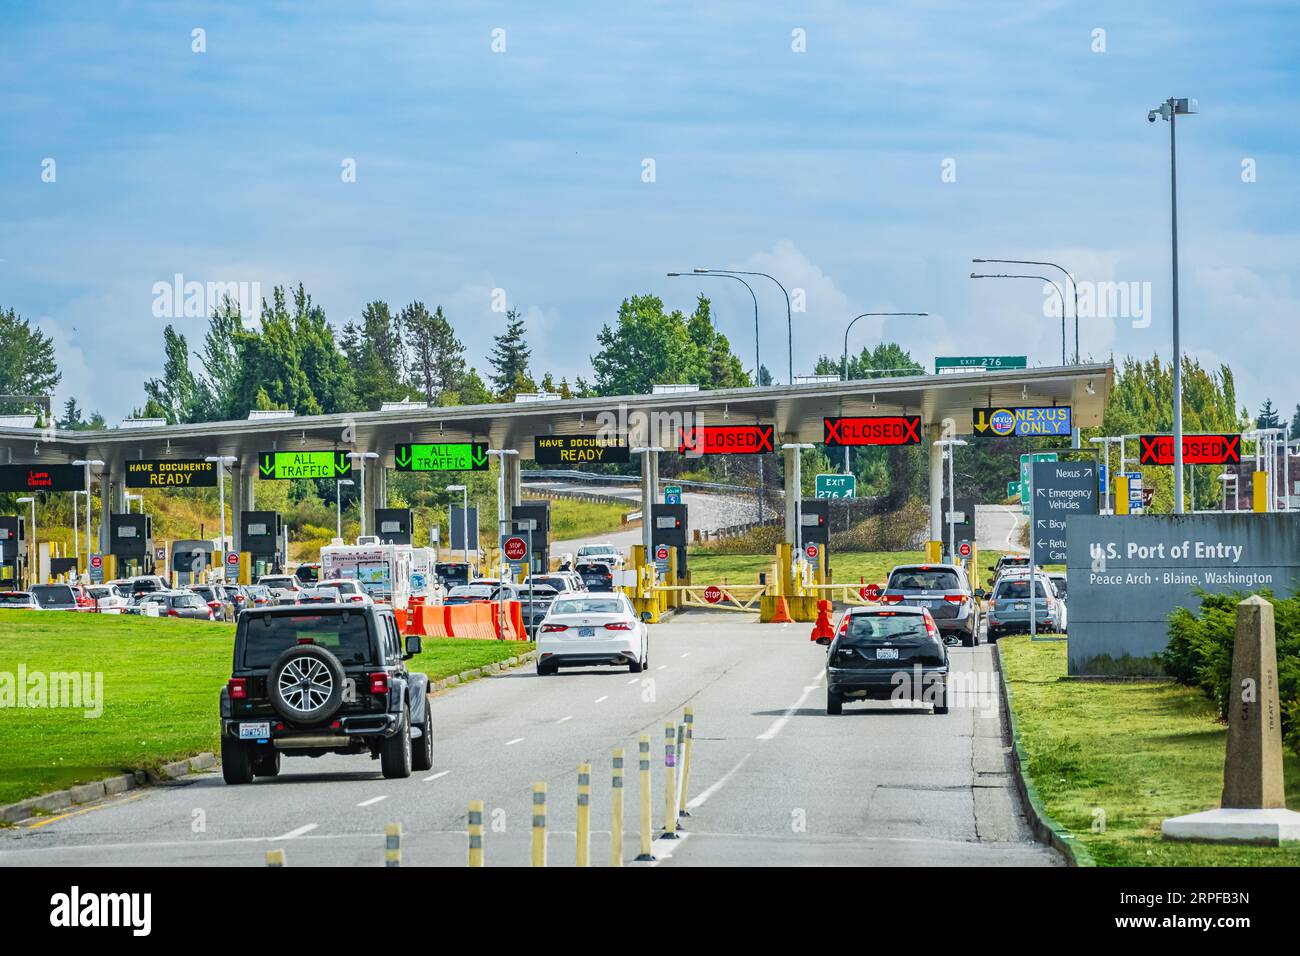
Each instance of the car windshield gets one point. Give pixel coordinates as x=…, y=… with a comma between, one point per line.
x=1019, y=588
x=53, y=595
x=267, y=636
x=587, y=606
x=871, y=628
x=14, y=598
x=924, y=579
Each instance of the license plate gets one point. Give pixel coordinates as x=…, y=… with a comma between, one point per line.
x=886, y=653
x=1022, y=607
x=586, y=632
x=257, y=731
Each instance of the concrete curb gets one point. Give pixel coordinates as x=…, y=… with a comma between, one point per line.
x=487, y=670
x=1046, y=830
x=108, y=787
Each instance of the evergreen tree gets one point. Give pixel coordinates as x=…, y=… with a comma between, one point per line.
x=438, y=357
x=176, y=392
x=71, y=414
x=216, y=387
x=509, y=358
x=376, y=354
x=1268, y=416
x=27, y=363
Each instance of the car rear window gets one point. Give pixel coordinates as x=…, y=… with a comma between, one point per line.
x=13, y=599
x=188, y=600
x=472, y=592
x=145, y=584
x=551, y=582
x=285, y=582
x=1060, y=586
x=924, y=579
x=266, y=636
x=53, y=595
x=586, y=606
x=1009, y=590
x=872, y=628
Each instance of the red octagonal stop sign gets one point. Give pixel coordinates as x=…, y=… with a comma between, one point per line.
x=713, y=594
x=871, y=592
x=515, y=549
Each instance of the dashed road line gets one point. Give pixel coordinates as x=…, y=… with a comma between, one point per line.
x=563, y=719
x=784, y=719
x=440, y=773
x=517, y=740
x=373, y=800
x=599, y=700
x=292, y=834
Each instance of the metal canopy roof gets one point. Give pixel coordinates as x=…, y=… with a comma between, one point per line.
x=796, y=410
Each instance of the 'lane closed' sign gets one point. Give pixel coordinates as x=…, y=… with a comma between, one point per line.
x=1197, y=449
x=727, y=440
x=843, y=431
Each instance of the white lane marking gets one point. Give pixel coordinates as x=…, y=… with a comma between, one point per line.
x=563, y=719
x=601, y=699
x=663, y=849
x=699, y=801
x=785, y=718
x=687, y=654
x=634, y=680
x=305, y=828
x=440, y=773
x=511, y=743
x=372, y=800
x=661, y=667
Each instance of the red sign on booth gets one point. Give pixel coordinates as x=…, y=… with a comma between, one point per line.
x=872, y=430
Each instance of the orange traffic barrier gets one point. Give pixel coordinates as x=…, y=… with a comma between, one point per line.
x=402, y=622
x=823, y=627
x=782, y=615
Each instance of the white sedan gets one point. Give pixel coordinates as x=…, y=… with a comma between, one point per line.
x=350, y=592
x=589, y=629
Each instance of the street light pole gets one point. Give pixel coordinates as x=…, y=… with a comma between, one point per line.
x=845, y=364
x=789, y=319
x=948, y=444
x=464, y=522
x=221, y=461
x=88, y=463
x=361, y=456
x=338, y=505
x=1060, y=294
x=757, y=363
x=1168, y=110
x=1074, y=285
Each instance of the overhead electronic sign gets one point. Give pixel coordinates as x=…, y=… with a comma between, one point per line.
x=288, y=465
x=1021, y=421
x=579, y=449
x=442, y=456
x=872, y=430
x=169, y=473
x=1197, y=449
x=42, y=478
x=727, y=439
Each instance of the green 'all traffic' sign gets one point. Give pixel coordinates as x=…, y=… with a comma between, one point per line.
x=442, y=456
x=287, y=465
x=836, y=486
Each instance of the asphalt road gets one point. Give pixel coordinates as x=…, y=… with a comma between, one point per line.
x=997, y=527
x=774, y=780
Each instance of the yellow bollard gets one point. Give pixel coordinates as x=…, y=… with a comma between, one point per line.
x=670, y=782
x=392, y=844
x=584, y=815
x=476, y=833
x=643, y=747
x=275, y=858
x=539, y=824
x=686, y=760
x=616, y=814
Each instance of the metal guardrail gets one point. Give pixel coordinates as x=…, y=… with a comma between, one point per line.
x=707, y=486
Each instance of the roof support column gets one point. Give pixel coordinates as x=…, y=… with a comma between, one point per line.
x=649, y=494
x=112, y=500
x=793, y=487
x=242, y=475
x=376, y=492
x=514, y=491
x=932, y=434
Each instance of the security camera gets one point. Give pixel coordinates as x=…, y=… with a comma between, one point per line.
x=1151, y=115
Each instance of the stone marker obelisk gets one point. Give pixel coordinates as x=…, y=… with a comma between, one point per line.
x=1254, y=802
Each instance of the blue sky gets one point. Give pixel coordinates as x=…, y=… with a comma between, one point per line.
x=522, y=170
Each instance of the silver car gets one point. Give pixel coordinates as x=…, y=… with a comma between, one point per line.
x=945, y=591
x=1009, y=609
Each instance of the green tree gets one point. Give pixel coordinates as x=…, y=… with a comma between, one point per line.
x=438, y=356
x=27, y=363
x=71, y=414
x=473, y=390
x=509, y=358
x=1268, y=416
x=1295, y=423
x=177, y=391
x=217, y=385
x=376, y=353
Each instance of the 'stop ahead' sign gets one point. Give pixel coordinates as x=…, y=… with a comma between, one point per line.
x=286, y=465
x=42, y=478
x=727, y=439
x=171, y=473
x=442, y=456
x=872, y=430
x=1197, y=449
x=1021, y=421
x=577, y=449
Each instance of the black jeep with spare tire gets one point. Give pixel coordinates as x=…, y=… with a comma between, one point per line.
x=322, y=679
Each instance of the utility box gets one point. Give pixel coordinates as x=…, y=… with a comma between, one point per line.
x=394, y=525
x=670, y=526
x=534, y=516
x=261, y=534
x=13, y=551
x=130, y=541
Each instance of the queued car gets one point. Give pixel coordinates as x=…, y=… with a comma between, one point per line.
x=1010, y=562
x=56, y=597
x=1008, y=611
x=178, y=604
x=942, y=589
x=596, y=575
x=319, y=595
x=145, y=584
x=534, y=603
x=469, y=593
x=562, y=581
x=215, y=598
x=259, y=595
x=452, y=573
x=1059, y=584
x=583, y=630
x=330, y=679
x=602, y=552
x=350, y=592
x=284, y=588
x=12, y=600
x=881, y=653
x=107, y=598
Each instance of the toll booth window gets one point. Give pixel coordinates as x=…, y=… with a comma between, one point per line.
x=390, y=527
x=257, y=528
x=665, y=522
x=126, y=531
x=346, y=636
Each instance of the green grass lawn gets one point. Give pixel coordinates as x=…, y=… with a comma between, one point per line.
x=572, y=519
x=850, y=567
x=1137, y=752
x=161, y=679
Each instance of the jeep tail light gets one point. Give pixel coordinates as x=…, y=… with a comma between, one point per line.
x=618, y=626
x=379, y=683
x=551, y=628
x=238, y=688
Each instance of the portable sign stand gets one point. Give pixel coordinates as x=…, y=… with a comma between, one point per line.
x=1033, y=580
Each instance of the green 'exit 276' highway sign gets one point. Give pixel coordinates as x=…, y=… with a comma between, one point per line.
x=442, y=456
x=286, y=465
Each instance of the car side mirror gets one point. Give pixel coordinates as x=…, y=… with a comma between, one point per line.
x=981, y=593
x=646, y=616
x=413, y=646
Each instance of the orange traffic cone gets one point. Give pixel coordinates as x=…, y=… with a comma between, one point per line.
x=823, y=628
x=782, y=615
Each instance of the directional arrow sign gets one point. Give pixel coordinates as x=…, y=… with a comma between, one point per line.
x=1021, y=421
x=442, y=456
x=288, y=465
x=1061, y=489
